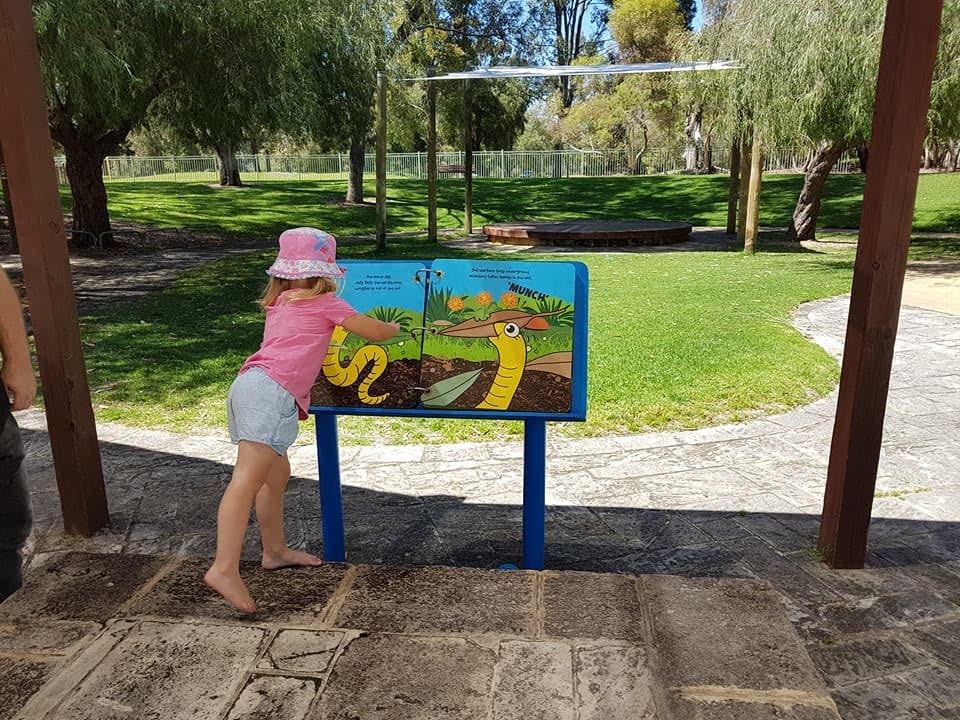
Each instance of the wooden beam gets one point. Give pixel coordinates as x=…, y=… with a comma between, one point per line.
x=28, y=153
x=899, y=124
x=468, y=156
x=381, y=160
x=431, y=158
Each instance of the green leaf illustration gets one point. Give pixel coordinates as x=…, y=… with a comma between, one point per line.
x=445, y=391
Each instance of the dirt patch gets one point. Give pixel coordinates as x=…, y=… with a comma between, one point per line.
x=399, y=381
x=537, y=392
x=406, y=380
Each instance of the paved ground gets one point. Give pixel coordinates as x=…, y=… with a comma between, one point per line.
x=705, y=598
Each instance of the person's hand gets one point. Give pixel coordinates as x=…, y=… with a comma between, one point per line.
x=20, y=384
x=396, y=328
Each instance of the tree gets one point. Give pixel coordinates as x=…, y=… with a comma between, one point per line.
x=233, y=75
x=571, y=34
x=688, y=10
x=103, y=63
x=645, y=30
x=341, y=55
x=943, y=136
x=453, y=35
x=628, y=111
x=810, y=81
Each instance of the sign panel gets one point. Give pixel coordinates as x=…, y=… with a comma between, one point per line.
x=359, y=373
x=500, y=336
x=479, y=338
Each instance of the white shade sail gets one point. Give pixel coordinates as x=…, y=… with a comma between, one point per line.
x=513, y=71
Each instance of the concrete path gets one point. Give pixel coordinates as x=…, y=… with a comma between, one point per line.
x=705, y=598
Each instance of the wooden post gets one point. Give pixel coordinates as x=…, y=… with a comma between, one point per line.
x=381, y=160
x=28, y=152
x=733, y=192
x=752, y=200
x=468, y=156
x=745, y=165
x=431, y=157
x=899, y=123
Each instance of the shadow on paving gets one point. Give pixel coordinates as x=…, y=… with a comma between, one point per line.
x=165, y=504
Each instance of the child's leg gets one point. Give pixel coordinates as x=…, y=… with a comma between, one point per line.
x=255, y=462
x=269, y=506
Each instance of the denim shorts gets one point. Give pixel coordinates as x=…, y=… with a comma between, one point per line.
x=258, y=409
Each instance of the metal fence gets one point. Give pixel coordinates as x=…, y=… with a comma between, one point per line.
x=492, y=164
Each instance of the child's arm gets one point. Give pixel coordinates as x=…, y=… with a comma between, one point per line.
x=370, y=328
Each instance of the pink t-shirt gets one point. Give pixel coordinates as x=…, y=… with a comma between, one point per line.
x=295, y=339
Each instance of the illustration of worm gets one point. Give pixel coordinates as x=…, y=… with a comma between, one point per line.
x=345, y=376
x=502, y=329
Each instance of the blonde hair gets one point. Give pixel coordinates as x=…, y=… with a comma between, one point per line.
x=307, y=288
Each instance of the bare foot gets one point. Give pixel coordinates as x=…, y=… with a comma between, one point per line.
x=231, y=587
x=289, y=558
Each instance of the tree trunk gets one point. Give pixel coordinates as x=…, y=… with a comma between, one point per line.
x=803, y=226
x=229, y=172
x=733, y=193
x=566, y=92
x=863, y=156
x=14, y=246
x=745, y=165
x=355, y=176
x=91, y=220
x=692, y=152
x=753, y=199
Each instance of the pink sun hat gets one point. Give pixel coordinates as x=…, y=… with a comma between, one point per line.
x=306, y=253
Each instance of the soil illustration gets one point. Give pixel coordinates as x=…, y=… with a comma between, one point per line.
x=537, y=392
x=400, y=379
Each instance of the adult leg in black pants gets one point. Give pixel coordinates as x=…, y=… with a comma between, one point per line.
x=15, y=515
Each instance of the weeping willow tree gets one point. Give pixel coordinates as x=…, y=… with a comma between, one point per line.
x=807, y=77
x=103, y=63
x=234, y=75
x=340, y=61
x=943, y=134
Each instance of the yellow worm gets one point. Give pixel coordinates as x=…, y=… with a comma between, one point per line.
x=345, y=376
x=512, y=360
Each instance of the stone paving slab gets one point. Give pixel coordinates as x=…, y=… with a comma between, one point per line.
x=165, y=670
x=440, y=600
x=80, y=586
x=406, y=643
x=20, y=679
x=577, y=605
x=294, y=595
x=399, y=677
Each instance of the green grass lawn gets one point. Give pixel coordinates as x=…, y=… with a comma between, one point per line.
x=677, y=340
x=264, y=210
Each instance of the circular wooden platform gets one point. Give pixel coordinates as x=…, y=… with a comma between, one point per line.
x=589, y=233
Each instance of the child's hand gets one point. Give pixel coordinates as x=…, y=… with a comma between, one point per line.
x=396, y=328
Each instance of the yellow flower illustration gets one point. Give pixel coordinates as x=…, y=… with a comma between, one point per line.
x=484, y=298
x=509, y=300
x=455, y=304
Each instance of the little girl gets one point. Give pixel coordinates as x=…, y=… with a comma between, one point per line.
x=270, y=396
